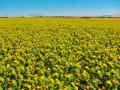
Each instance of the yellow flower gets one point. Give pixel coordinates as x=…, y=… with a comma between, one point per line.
x=13, y=72
x=13, y=82
x=68, y=75
x=94, y=57
x=9, y=88
x=66, y=88
x=108, y=74
x=77, y=72
x=104, y=65
x=52, y=81
x=42, y=77
x=87, y=87
x=56, y=74
x=20, y=76
x=75, y=88
x=110, y=64
x=38, y=88
x=78, y=65
x=108, y=82
x=114, y=81
x=85, y=73
x=22, y=67
x=1, y=79
x=57, y=81
x=8, y=66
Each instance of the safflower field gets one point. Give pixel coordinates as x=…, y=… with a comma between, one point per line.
x=59, y=53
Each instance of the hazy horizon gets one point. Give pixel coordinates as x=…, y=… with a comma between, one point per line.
x=59, y=7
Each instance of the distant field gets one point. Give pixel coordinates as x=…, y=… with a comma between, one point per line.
x=59, y=53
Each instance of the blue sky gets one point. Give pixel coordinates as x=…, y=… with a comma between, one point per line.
x=59, y=7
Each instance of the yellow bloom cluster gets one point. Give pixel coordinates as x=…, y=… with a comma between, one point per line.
x=59, y=54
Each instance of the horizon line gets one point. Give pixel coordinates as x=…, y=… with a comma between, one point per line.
x=104, y=16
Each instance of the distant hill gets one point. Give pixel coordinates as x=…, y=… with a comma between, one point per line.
x=106, y=16
x=116, y=15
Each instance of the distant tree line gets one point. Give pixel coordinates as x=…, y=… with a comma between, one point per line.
x=87, y=17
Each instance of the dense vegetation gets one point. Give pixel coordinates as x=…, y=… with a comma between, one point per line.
x=59, y=54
